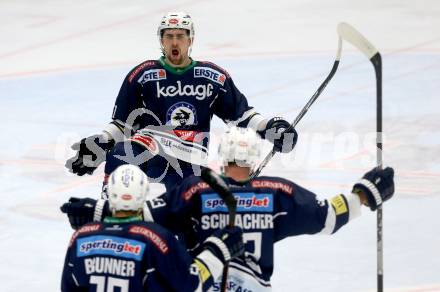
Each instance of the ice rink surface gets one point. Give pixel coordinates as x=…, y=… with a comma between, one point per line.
x=62, y=63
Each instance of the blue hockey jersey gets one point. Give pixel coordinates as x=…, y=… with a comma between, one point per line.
x=181, y=102
x=168, y=112
x=129, y=257
x=268, y=209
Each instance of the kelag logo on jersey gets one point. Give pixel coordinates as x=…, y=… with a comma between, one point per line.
x=152, y=75
x=200, y=91
x=211, y=74
x=245, y=202
x=110, y=245
x=182, y=114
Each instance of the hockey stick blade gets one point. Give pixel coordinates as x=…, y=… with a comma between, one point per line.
x=351, y=35
x=354, y=37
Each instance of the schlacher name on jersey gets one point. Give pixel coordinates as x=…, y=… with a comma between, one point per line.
x=152, y=75
x=210, y=74
x=250, y=221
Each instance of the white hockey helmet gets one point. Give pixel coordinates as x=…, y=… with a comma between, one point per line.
x=240, y=145
x=127, y=188
x=176, y=20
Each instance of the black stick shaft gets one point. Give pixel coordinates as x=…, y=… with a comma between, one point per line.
x=304, y=109
x=222, y=189
x=377, y=63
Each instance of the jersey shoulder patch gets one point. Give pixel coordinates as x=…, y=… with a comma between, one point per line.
x=141, y=68
x=275, y=183
x=88, y=228
x=191, y=186
x=152, y=233
x=213, y=66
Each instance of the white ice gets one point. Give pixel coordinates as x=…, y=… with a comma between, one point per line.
x=61, y=65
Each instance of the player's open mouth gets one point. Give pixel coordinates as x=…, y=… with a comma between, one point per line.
x=175, y=52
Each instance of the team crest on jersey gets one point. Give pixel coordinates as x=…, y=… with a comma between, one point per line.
x=152, y=75
x=211, y=74
x=245, y=202
x=182, y=114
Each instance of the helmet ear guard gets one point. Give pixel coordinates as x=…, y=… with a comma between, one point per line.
x=128, y=188
x=240, y=146
x=176, y=20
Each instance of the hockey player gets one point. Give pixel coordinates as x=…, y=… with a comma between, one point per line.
x=269, y=209
x=124, y=253
x=161, y=118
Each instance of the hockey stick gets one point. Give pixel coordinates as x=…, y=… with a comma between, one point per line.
x=304, y=109
x=348, y=33
x=222, y=189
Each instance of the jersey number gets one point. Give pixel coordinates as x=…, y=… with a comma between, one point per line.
x=112, y=283
x=252, y=258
